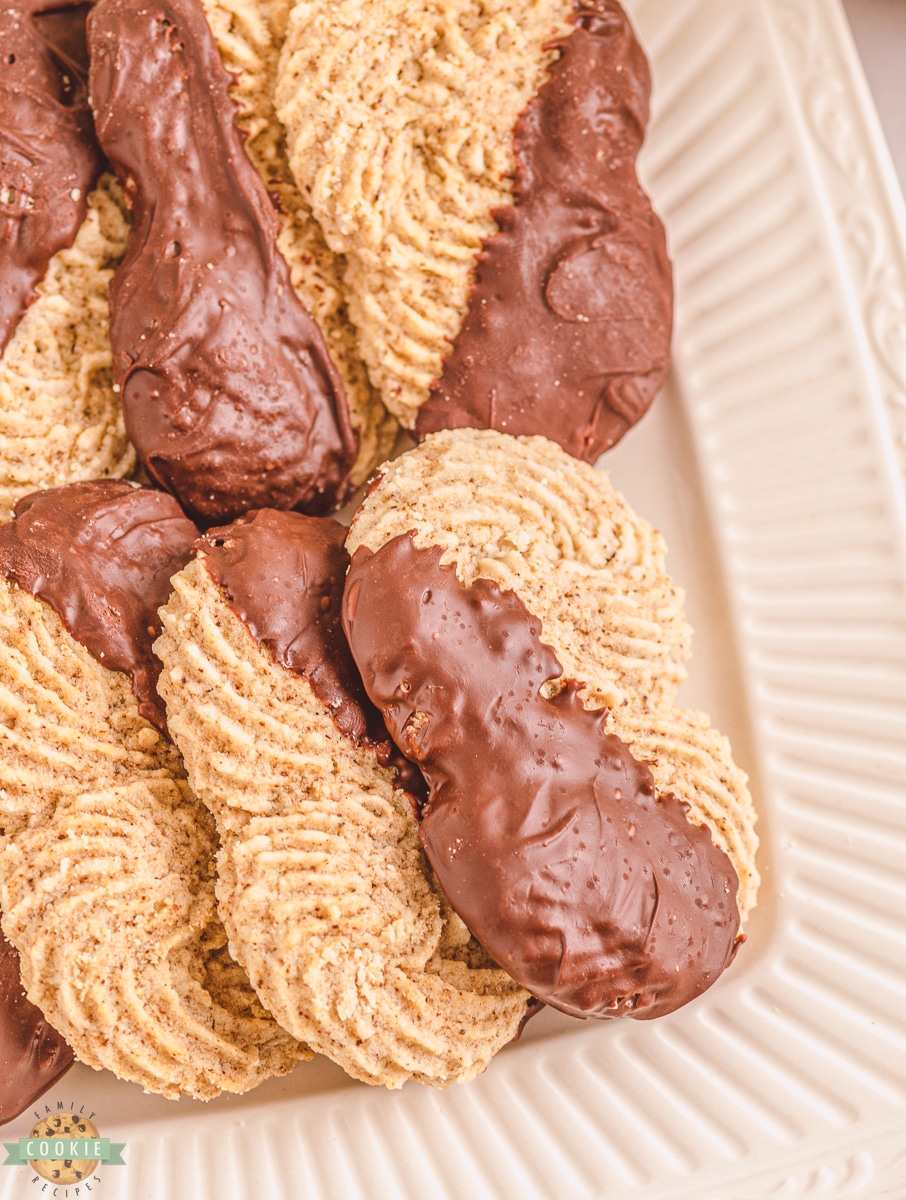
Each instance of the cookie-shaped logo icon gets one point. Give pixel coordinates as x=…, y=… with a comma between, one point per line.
x=52, y=1130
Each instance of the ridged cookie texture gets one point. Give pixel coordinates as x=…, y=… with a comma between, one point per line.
x=400, y=123
x=322, y=884
x=248, y=34
x=106, y=876
x=523, y=514
x=60, y=419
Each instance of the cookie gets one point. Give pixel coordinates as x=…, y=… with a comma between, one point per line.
x=248, y=34
x=322, y=885
x=500, y=594
x=106, y=856
x=49, y=157
x=64, y=1125
x=474, y=163
x=61, y=230
x=229, y=393
x=33, y=1055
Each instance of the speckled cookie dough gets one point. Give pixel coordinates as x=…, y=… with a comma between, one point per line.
x=523, y=514
x=106, y=856
x=59, y=417
x=400, y=132
x=322, y=885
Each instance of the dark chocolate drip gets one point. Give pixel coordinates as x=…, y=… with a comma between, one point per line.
x=283, y=575
x=102, y=554
x=49, y=159
x=568, y=328
x=533, y=1008
x=32, y=1055
x=229, y=393
x=548, y=838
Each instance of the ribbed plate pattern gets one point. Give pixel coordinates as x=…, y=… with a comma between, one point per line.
x=776, y=466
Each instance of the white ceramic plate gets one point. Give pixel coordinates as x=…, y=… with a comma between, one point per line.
x=775, y=464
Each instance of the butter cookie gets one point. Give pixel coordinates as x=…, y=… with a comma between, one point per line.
x=106, y=856
x=322, y=885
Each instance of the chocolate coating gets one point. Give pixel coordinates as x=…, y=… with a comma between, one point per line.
x=568, y=329
x=49, y=159
x=548, y=838
x=32, y=1055
x=102, y=554
x=229, y=394
x=283, y=575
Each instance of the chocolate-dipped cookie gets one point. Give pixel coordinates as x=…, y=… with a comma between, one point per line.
x=106, y=856
x=476, y=166
x=48, y=153
x=229, y=393
x=249, y=34
x=512, y=619
x=33, y=1056
x=322, y=885
x=61, y=229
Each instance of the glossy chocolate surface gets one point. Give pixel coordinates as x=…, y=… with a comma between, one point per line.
x=32, y=1055
x=546, y=835
x=102, y=554
x=568, y=329
x=283, y=575
x=229, y=394
x=49, y=158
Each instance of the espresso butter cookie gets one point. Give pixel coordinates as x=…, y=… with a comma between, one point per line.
x=229, y=393
x=513, y=620
x=322, y=885
x=61, y=231
x=106, y=856
x=475, y=164
x=33, y=1056
x=249, y=34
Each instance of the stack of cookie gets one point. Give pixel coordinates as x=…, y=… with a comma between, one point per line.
x=107, y=862
x=579, y=830
x=445, y=231
x=269, y=786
